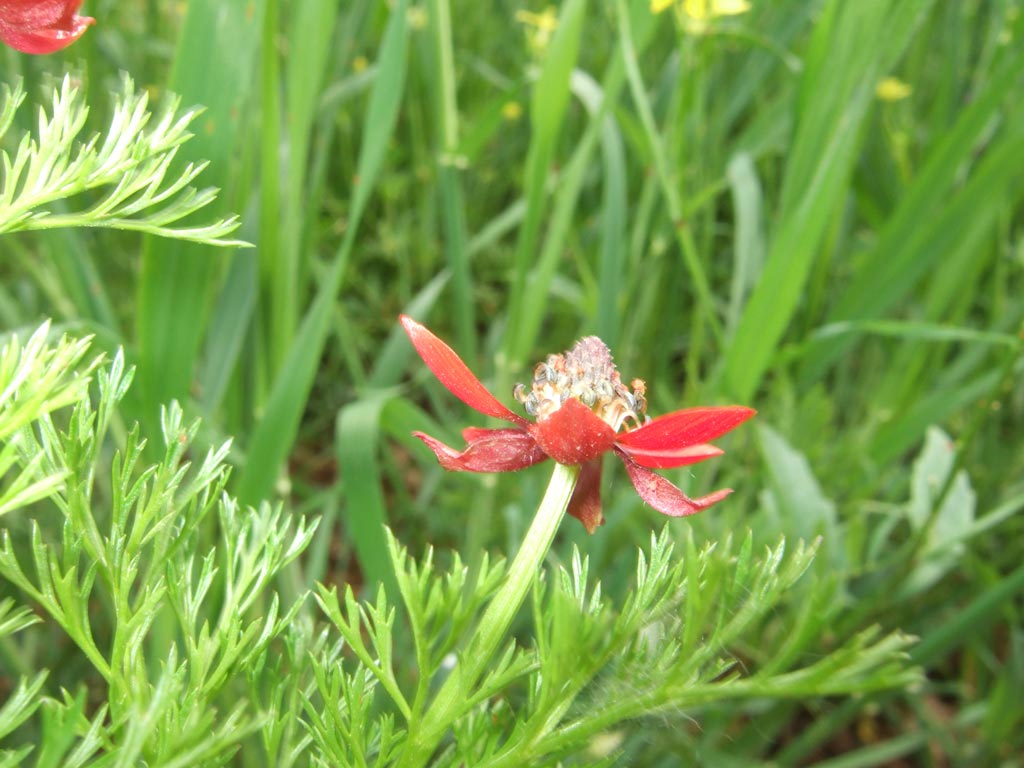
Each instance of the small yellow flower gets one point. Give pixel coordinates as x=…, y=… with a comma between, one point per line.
x=703, y=10
x=360, y=63
x=417, y=17
x=540, y=27
x=892, y=89
x=545, y=21
x=511, y=110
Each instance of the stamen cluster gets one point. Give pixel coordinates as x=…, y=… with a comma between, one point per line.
x=586, y=373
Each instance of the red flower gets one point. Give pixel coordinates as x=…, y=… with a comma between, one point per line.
x=41, y=26
x=580, y=404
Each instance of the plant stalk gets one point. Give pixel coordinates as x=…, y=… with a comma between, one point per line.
x=459, y=687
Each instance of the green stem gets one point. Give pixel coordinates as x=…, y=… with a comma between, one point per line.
x=458, y=689
x=453, y=206
x=666, y=174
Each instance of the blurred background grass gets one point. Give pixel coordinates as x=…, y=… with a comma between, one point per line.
x=737, y=205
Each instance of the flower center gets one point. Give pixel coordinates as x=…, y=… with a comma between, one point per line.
x=586, y=373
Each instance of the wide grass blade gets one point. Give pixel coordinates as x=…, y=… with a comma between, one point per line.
x=358, y=439
x=275, y=433
x=938, y=214
x=836, y=90
x=213, y=67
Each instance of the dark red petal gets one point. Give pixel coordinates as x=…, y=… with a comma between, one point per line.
x=668, y=458
x=41, y=26
x=585, y=504
x=455, y=374
x=36, y=13
x=687, y=427
x=665, y=497
x=469, y=434
x=500, y=450
x=573, y=434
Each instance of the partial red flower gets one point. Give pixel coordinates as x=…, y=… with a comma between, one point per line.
x=580, y=405
x=41, y=26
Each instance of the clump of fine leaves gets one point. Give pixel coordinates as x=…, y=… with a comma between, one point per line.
x=674, y=642
x=142, y=622
x=109, y=559
x=130, y=167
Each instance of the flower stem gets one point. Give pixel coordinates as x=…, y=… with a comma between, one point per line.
x=459, y=687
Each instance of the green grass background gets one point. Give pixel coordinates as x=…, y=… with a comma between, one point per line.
x=736, y=213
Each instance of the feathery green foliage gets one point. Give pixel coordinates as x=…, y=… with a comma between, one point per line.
x=178, y=625
x=181, y=628
x=131, y=164
x=731, y=202
x=592, y=665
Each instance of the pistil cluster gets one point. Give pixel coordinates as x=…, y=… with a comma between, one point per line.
x=586, y=373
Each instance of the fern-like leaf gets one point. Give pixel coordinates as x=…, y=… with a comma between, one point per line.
x=130, y=165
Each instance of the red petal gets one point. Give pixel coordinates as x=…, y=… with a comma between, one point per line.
x=585, y=504
x=665, y=497
x=668, y=458
x=499, y=450
x=454, y=374
x=37, y=13
x=41, y=26
x=573, y=434
x=687, y=427
x=471, y=434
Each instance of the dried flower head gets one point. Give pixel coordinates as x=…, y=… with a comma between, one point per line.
x=582, y=411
